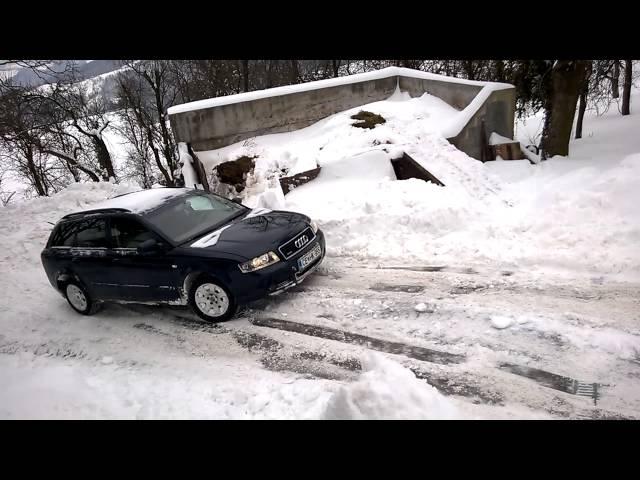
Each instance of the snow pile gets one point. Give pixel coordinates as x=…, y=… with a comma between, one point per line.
x=388, y=391
x=356, y=197
x=333, y=138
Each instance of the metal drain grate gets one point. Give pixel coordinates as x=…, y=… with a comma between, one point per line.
x=557, y=382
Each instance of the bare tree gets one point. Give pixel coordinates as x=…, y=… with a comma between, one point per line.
x=146, y=90
x=76, y=119
x=584, y=92
x=18, y=142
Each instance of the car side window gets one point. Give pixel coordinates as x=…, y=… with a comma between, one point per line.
x=87, y=233
x=92, y=233
x=129, y=233
x=65, y=235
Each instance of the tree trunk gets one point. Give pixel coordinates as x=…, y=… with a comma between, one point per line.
x=615, y=89
x=583, y=102
x=168, y=150
x=567, y=77
x=156, y=156
x=35, y=175
x=499, y=70
x=245, y=74
x=336, y=67
x=581, y=109
x=104, y=157
x=269, y=67
x=295, y=73
x=626, y=88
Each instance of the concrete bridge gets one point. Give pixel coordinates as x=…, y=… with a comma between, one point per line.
x=210, y=124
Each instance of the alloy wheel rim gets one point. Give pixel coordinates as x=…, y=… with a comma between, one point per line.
x=212, y=300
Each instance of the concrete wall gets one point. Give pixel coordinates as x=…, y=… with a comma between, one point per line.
x=497, y=114
x=458, y=95
x=216, y=127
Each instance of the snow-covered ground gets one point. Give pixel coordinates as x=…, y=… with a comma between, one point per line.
x=460, y=301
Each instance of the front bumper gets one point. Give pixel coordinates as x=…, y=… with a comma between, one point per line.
x=298, y=278
x=277, y=278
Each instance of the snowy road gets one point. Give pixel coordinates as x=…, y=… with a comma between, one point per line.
x=483, y=329
x=499, y=342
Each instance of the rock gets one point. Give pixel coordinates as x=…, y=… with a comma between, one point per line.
x=421, y=307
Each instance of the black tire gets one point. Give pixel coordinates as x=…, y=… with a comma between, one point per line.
x=88, y=307
x=215, y=301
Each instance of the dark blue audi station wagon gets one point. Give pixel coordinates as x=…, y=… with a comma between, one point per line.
x=179, y=246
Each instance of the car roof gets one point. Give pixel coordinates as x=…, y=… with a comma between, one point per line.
x=139, y=202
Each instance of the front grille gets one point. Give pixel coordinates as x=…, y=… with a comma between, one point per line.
x=297, y=243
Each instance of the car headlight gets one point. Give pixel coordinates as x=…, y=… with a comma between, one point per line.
x=259, y=262
x=314, y=226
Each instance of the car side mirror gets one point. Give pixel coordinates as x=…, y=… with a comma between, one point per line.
x=237, y=200
x=150, y=246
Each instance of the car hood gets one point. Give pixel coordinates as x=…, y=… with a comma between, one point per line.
x=256, y=233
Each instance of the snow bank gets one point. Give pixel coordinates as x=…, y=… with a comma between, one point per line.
x=26, y=225
x=388, y=391
x=37, y=388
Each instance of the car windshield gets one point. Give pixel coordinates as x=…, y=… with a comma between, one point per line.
x=192, y=215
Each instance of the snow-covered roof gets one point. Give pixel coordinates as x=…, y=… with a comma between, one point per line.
x=332, y=82
x=139, y=202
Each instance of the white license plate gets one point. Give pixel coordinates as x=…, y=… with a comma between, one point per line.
x=309, y=257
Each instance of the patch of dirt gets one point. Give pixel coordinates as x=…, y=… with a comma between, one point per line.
x=367, y=119
x=235, y=172
x=385, y=287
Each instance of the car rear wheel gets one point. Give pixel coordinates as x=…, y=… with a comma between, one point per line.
x=212, y=301
x=79, y=299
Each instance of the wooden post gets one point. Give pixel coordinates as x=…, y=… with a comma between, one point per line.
x=199, y=168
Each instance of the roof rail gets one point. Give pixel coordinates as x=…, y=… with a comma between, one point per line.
x=96, y=211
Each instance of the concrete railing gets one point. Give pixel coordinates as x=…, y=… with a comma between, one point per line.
x=218, y=122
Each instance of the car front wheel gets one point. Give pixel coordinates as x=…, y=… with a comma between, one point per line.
x=211, y=301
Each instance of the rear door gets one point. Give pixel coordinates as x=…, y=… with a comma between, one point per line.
x=84, y=246
x=146, y=277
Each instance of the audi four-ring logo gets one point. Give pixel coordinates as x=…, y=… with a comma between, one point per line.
x=302, y=241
